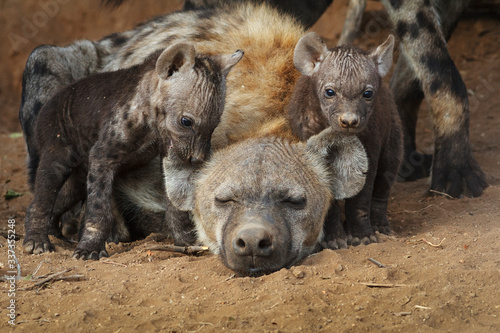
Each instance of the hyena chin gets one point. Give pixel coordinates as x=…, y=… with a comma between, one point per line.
x=110, y=123
x=343, y=88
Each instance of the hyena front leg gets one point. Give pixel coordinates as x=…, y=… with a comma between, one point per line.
x=455, y=170
x=98, y=219
x=408, y=96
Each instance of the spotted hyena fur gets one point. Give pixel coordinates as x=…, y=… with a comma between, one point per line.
x=343, y=88
x=426, y=70
x=109, y=123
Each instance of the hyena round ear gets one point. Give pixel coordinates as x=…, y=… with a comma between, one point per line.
x=345, y=157
x=382, y=56
x=176, y=58
x=227, y=61
x=309, y=52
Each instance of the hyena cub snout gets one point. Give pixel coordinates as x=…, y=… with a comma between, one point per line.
x=348, y=120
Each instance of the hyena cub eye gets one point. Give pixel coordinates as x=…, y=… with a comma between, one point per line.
x=368, y=94
x=186, y=122
x=329, y=93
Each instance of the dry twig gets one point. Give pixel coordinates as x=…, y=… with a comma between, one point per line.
x=113, y=263
x=442, y=193
x=401, y=314
x=229, y=278
x=179, y=249
x=383, y=285
x=433, y=245
x=376, y=263
x=55, y=277
x=427, y=242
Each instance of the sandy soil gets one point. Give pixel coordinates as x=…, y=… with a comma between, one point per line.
x=422, y=288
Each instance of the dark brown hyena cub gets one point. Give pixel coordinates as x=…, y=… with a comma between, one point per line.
x=110, y=123
x=342, y=88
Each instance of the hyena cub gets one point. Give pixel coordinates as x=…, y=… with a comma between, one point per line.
x=104, y=125
x=343, y=87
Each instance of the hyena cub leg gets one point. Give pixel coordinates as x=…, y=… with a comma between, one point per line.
x=53, y=171
x=72, y=192
x=98, y=220
x=335, y=236
x=455, y=170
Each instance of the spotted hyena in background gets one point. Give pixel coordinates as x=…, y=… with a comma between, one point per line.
x=425, y=69
x=110, y=123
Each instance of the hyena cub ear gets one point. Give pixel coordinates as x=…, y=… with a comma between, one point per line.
x=382, y=56
x=309, y=52
x=227, y=61
x=176, y=58
x=346, y=159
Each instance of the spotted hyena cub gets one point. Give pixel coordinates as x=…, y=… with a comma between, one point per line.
x=110, y=123
x=342, y=88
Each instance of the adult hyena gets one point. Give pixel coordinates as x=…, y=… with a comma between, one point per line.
x=426, y=70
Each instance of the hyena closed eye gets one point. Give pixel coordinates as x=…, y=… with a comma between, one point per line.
x=343, y=89
x=110, y=123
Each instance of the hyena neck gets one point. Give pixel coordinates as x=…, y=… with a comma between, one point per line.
x=146, y=101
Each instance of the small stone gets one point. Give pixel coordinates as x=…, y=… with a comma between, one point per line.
x=339, y=268
x=298, y=273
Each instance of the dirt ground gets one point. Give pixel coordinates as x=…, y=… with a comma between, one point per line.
x=454, y=287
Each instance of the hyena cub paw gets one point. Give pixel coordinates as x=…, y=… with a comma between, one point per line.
x=355, y=241
x=383, y=229
x=334, y=243
x=94, y=252
x=37, y=244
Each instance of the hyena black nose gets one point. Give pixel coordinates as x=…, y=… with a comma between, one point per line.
x=349, y=120
x=253, y=241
